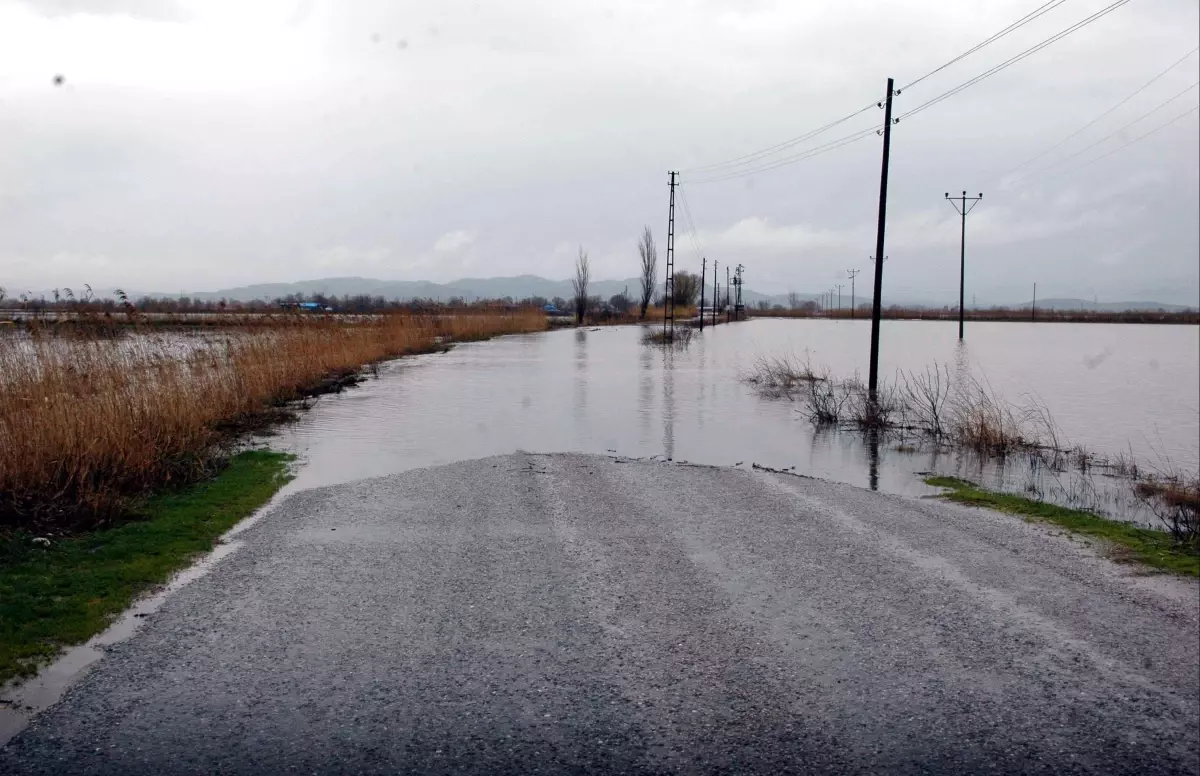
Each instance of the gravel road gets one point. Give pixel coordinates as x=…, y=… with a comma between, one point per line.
x=565, y=614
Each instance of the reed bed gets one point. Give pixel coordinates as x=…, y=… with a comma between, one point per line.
x=1016, y=314
x=968, y=414
x=89, y=425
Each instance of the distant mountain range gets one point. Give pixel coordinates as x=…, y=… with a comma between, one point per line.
x=523, y=286
x=1105, y=307
x=470, y=289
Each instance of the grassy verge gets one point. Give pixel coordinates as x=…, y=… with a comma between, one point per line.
x=60, y=595
x=1155, y=549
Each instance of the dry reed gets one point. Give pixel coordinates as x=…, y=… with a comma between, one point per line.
x=86, y=425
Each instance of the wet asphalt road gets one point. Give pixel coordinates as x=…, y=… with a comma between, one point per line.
x=577, y=614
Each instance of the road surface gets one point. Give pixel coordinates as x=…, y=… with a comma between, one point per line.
x=580, y=614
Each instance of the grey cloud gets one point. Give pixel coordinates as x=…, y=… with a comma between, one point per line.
x=157, y=10
x=526, y=128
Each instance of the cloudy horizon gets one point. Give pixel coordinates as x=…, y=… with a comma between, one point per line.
x=202, y=146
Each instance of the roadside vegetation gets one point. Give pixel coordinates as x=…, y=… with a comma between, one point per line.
x=58, y=592
x=933, y=409
x=1156, y=549
x=967, y=414
x=91, y=422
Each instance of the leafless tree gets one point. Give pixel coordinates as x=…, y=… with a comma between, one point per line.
x=793, y=300
x=579, y=284
x=649, y=256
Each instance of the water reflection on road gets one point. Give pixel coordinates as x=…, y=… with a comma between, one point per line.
x=600, y=390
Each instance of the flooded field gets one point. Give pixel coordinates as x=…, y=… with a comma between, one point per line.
x=1112, y=389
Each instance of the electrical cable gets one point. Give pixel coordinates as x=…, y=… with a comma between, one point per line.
x=807, y=154
x=1013, y=60
x=1113, y=134
x=1135, y=93
x=1019, y=23
x=1126, y=145
x=687, y=212
x=758, y=155
x=761, y=154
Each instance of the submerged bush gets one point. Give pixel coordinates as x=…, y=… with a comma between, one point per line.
x=781, y=376
x=675, y=337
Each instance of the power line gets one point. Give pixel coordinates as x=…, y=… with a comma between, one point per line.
x=751, y=158
x=1116, y=132
x=687, y=212
x=800, y=156
x=757, y=156
x=1131, y=142
x=1019, y=23
x=1135, y=93
x=1015, y=59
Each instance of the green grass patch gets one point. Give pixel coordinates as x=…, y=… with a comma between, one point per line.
x=53, y=597
x=1155, y=549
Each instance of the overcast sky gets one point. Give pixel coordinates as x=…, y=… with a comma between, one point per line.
x=207, y=144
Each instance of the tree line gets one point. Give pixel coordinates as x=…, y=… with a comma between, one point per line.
x=687, y=287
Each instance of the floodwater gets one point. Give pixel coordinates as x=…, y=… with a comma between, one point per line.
x=1111, y=388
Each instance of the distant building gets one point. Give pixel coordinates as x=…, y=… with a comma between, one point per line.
x=306, y=306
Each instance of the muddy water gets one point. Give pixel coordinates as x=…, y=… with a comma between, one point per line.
x=1111, y=389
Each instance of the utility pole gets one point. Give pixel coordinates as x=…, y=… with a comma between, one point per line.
x=703, y=279
x=852, y=273
x=714, y=293
x=1033, y=309
x=669, y=288
x=873, y=381
x=739, y=309
x=839, y=288
x=963, y=209
x=727, y=283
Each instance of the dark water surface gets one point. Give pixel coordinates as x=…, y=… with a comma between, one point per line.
x=1111, y=388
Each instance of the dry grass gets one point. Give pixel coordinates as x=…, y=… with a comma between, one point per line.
x=781, y=376
x=1174, y=497
x=970, y=414
x=982, y=420
x=88, y=424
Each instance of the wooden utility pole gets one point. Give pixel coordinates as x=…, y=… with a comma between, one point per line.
x=714, y=292
x=873, y=379
x=963, y=209
x=703, y=280
x=852, y=273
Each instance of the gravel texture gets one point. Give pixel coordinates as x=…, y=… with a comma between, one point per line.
x=565, y=614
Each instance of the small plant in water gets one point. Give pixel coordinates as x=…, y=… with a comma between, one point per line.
x=677, y=337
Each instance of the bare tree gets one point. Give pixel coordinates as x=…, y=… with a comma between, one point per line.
x=793, y=300
x=580, y=284
x=649, y=256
